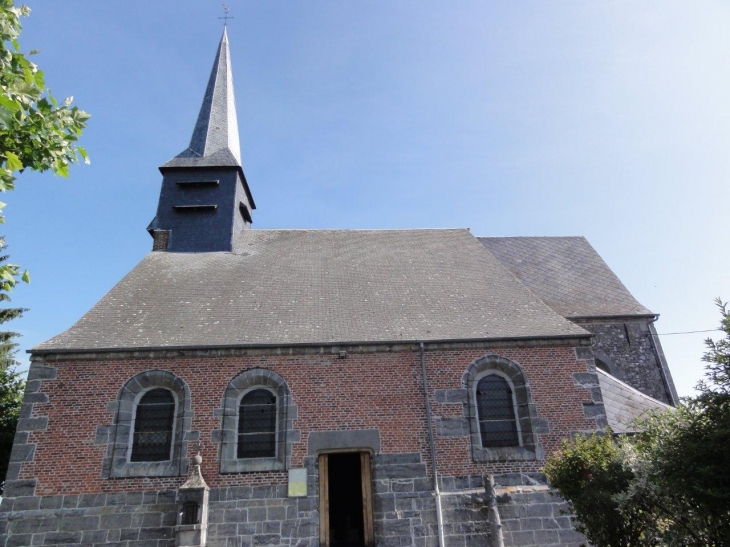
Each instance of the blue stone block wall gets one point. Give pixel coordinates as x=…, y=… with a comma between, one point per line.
x=404, y=511
x=633, y=354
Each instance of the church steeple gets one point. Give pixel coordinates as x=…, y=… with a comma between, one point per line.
x=205, y=198
x=215, y=137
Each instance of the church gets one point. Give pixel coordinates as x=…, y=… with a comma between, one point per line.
x=301, y=388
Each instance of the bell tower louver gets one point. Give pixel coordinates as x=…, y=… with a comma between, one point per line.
x=205, y=198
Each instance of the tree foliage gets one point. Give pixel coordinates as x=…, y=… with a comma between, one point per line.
x=687, y=452
x=11, y=383
x=668, y=485
x=590, y=472
x=36, y=132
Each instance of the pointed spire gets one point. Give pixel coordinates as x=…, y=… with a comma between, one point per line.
x=215, y=139
x=189, y=218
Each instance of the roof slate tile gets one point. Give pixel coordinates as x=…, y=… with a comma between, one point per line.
x=317, y=286
x=567, y=273
x=624, y=404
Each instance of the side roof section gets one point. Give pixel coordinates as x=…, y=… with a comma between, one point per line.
x=567, y=274
x=624, y=404
x=288, y=287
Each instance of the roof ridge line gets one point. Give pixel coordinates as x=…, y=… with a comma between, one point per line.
x=532, y=237
x=356, y=230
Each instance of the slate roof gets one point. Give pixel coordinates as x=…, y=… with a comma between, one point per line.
x=567, y=274
x=298, y=286
x=624, y=404
x=215, y=140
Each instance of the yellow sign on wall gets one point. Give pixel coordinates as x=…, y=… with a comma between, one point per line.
x=298, y=483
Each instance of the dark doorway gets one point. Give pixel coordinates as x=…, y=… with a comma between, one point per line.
x=345, y=500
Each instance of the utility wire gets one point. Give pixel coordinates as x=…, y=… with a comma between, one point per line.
x=685, y=332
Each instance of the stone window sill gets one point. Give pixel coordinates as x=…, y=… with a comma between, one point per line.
x=189, y=527
x=505, y=453
x=252, y=465
x=146, y=469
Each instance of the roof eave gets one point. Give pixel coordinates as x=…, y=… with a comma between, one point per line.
x=578, y=339
x=649, y=315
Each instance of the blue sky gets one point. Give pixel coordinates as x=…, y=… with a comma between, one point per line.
x=603, y=119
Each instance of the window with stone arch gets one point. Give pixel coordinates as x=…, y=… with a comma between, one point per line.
x=502, y=417
x=257, y=422
x=257, y=425
x=154, y=424
x=150, y=427
x=496, y=411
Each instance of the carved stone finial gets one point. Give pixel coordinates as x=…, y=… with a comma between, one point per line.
x=192, y=500
x=195, y=480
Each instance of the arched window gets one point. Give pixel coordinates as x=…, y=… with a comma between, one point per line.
x=496, y=411
x=257, y=425
x=503, y=420
x=153, y=427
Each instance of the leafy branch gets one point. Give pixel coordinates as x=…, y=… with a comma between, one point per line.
x=667, y=485
x=36, y=131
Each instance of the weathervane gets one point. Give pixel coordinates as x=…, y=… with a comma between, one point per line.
x=226, y=16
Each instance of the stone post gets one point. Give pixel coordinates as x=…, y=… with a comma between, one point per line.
x=192, y=506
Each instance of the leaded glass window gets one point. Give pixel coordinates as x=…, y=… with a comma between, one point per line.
x=153, y=423
x=257, y=425
x=495, y=407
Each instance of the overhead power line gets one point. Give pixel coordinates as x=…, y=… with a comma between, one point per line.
x=686, y=332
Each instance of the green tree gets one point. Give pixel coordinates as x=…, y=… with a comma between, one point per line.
x=11, y=383
x=590, y=472
x=686, y=455
x=36, y=132
x=668, y=485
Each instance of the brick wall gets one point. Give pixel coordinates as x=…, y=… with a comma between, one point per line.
x=69, y=404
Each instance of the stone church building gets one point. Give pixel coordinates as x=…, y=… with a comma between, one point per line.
x=244, y=387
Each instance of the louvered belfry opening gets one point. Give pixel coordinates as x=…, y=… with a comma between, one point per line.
x=495, y=405
x=153, y=424
x=257, y=425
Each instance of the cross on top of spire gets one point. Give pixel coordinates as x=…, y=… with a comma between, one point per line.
x=226, y=16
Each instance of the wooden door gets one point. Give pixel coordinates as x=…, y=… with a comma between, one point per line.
x=367, y=500
x=324, y=502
